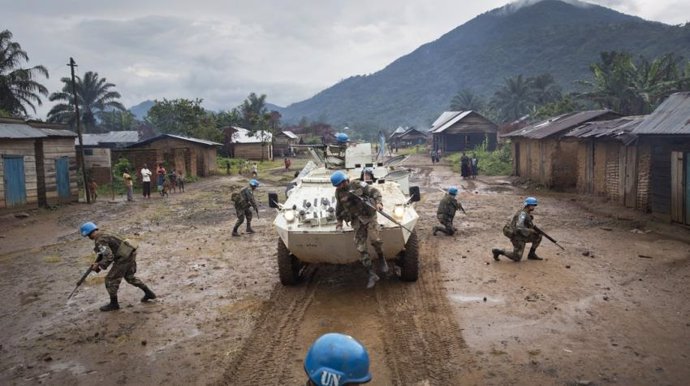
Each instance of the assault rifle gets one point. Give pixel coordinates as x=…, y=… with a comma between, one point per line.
x=84, y=276
x=541, y=232
x=384, y=214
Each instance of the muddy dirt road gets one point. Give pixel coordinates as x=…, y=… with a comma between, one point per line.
x=613, y=308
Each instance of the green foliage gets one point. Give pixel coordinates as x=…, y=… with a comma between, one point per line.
x=94, y=96
x=119, y=167
x=633, y=87
x=183, y=117
x=117, y=120
x=491, y=163
x=18, y=87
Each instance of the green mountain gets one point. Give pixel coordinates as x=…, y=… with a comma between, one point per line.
x=551, y=36
x=142, y=109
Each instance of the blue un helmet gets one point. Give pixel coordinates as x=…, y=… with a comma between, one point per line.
x=254, y=183
x=86, y=228
x=342, y=138
x=530, y=201
x=337, y=359
x=453, y=191
x=338, y=177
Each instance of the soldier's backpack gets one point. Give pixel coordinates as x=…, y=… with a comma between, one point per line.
x=236, y=198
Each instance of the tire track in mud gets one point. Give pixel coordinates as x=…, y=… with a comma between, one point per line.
x=422, y=338
x=263, y=358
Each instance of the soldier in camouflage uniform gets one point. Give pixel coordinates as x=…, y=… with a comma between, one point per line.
x=349, y=207
x=446, y=212
x=520, y=229
x=243, y=204
x=123, y=256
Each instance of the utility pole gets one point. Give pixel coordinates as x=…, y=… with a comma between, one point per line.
x=87, y=188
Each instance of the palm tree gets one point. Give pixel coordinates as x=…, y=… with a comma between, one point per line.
x=18, y=88
x=467, y=100
x=632, y=88
x=514, y=99
x=544, y=89
x=94, y=96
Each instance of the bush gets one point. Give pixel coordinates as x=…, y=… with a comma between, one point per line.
x=491, y=163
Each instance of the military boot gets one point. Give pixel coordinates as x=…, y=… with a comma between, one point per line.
x=383, y=265
x=148, y=294
x=532, y=255
x=497, y=252
x=249, y=227
x=112, y=306
x=234, y=231
x=373, y=278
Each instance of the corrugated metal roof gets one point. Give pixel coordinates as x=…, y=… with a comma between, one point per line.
x=290, y=134
x=559, y=124
x=121, y=137
x=448, y=119
x=17, y=129
x=159, y=137
x=671, y=117
x=412, y=131
x=243, y=136
x=58, y=133
x=619, y=129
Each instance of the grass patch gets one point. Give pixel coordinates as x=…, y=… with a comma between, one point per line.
x=491, y=163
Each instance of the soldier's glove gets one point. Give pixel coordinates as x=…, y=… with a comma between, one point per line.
x=95, y=267
x=379, y=206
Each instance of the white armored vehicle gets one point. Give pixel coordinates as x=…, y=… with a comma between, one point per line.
x=306, y=222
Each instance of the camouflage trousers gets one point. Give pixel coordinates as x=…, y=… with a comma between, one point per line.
x=241, y=214
x=447, y=227
x=519, y=245
x=122, y=268
x=369, y=230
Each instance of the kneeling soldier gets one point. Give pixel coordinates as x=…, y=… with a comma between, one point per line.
x=520, y=229
x=446, y=212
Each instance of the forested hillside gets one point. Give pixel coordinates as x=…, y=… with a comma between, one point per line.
x=547, y=37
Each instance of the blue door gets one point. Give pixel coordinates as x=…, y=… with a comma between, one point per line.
x=687, y=188
x=15, y=182
x=62, y=177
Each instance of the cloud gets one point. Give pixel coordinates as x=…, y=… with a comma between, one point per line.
x=221, y=50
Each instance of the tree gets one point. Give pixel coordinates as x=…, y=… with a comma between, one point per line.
x=183, y=117
x=94, y=96
x=630, y=87
x=544, y=89
x=467, y=100
x=117, y=120
x=18, y=87
x=253, y=110
x=514, y=99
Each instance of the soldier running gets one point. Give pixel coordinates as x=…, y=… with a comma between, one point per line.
x=244, y=201
x=520, y=229
x=123, y=255
x=446, y=212
x=362, y=218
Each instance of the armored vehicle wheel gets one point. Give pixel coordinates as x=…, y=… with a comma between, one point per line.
x=288, y=265
x=409, y=259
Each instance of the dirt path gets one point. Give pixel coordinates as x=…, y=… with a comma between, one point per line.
x=597, y=313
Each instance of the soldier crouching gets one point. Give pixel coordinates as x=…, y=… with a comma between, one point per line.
x=521, y=230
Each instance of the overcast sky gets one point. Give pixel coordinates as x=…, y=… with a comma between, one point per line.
x=221, y=50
